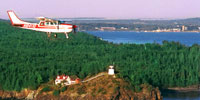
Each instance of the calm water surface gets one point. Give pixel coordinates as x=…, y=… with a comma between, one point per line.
x=186, y=38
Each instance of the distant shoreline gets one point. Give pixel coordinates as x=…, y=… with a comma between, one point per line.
x=186, y=89
x=141, y=31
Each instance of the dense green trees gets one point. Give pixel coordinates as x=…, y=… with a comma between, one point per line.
x=29, y=58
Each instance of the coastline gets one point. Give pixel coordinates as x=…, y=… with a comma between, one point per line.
x=193, y=88
x=140, y=31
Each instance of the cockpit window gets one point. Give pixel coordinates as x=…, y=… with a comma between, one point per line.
x=47, y=23
x=50, y=23
x=42, y=24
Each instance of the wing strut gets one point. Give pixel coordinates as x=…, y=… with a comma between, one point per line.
x=66, y=34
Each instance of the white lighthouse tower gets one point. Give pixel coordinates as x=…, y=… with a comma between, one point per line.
x=111, y=70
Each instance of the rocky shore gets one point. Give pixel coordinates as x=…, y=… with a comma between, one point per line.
x=186, y=89
x=102, y=88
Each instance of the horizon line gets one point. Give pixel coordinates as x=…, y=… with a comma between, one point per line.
x=105, y=18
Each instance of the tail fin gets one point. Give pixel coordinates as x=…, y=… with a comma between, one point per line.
x=14, y=19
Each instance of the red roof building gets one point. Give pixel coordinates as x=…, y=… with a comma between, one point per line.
x=66, y=80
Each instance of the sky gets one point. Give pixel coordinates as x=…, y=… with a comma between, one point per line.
x=113, y=9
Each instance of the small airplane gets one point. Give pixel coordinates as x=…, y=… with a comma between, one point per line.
x=45, y=25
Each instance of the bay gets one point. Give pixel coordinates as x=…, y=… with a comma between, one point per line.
x=186, y=38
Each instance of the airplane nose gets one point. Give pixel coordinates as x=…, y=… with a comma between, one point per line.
x=74, y=28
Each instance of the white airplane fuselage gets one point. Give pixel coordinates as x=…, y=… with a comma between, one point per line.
x=62, y=28
x=43, y=26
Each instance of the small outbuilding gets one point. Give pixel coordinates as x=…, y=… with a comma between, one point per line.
x=111, y=70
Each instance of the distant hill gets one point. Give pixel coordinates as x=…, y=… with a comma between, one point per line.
x=2, y=19
x=189, y=21
x=192, y=19
x=165, y=22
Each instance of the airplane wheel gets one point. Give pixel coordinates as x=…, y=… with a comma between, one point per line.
x=49, y=35
x=55, y=35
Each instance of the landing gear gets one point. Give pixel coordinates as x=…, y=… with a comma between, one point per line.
x=55, y=35
x=49, y=34
x=66, y=34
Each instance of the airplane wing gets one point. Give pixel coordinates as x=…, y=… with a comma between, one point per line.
x=46, y=19
x=41, y=18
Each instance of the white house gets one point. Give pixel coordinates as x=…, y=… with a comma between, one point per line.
x=111, y=70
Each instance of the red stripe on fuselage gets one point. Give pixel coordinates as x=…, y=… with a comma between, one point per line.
x=47, y=27
x=38, y=26
x=66, y=24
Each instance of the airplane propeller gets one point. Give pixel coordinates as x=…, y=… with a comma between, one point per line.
x=74, y=28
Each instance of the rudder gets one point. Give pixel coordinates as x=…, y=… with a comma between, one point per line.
x=14, y=19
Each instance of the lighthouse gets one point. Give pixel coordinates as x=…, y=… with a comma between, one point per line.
x=111, y=70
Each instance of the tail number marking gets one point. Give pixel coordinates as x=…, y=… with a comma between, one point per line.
x=29, y=26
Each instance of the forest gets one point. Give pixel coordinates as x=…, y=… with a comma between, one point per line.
x=29, y=58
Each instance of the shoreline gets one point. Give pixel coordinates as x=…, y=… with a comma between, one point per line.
x=141, y=31
x=193, y=88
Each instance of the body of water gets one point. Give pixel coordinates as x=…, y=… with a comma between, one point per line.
x=186, y=38
x=176, y=95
